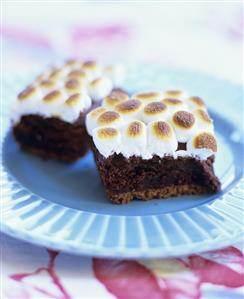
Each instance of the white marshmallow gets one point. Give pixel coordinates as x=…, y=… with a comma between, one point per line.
x=116, y=73
x=133, y=139
x=91, y=118
x=203, y=145
x=28, y=102
x=129, y=110
x=184, y=125
x=155, y=111
x=195, y=103
x=175, y=94
x=109, y=119
x=74, y=105
x=93, y=69
x=203, y=120
x=161, y=139
x=113, y=99
x=175, y=105
x=100, y=88
x=147, y=97
x=107, y=140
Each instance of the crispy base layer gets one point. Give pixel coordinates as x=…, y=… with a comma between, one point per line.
x=165, y=192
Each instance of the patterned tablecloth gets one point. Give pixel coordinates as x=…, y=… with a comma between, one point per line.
x=206, y=37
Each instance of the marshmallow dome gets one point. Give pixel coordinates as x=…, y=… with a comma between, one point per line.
x=171, y=124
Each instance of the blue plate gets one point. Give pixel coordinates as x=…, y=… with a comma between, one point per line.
x=64, y=206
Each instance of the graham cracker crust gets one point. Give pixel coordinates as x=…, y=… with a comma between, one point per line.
x=161, y=193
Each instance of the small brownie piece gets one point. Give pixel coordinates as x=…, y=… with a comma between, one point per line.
x=48, y=117
x=154, y=146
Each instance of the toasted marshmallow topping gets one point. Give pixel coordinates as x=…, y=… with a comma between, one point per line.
x=91, y=119
x=129, y=109
x=147, y=97
x=116, y=73
x=161, y=138
x=154, y=111
x=109, y=118
x=203, y=140
x=195, y=103
x=53, y=96
x=78, y=74
x=184, y=125
x=114, y=99
x=74, y=106
x=93, y=69
x=133, y=139
x=203, y=120
x=175, y=94
x=74, y=77
x=27, y=93
x=175, y=105
x=106, y=140
x=74, y=86
x=100, y=88
x=163, y=123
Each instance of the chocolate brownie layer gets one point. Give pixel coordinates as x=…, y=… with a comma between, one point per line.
x=52, y=138
x=125, y=179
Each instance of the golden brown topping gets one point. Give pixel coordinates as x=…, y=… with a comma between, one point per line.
x=134, y=128
x=203, y=115
x=55, y=73
x=52, y=96
x=154, y=108
x=184, y=119
x=128, y=106
x=172, y=101
x=147, y=96
x=197, y=101
x=73, y=100
x=77, y=74
x=161, y=129
x=26, y=93
x=72, y=84
x=72, y=62
x=107, y=133
x=90, y=65
x=47, y=83
x=115, y=98
x=173, y=93
x=119, y=93
x=205, y=140
x=96, y=112
x=108, y=117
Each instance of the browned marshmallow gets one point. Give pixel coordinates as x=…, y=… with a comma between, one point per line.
x=114, y=99
x=184, y=125
x=147, y=97
x=129, y=109
x=27, y=93
x=204, y=140
x=195, y=103
x=154, y=111
x=52, y=96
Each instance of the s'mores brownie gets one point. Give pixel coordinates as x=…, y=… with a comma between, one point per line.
x=154, y=145
x=49, y=115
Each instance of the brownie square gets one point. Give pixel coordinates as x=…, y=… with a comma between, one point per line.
x=49, y=115
x=154, y=145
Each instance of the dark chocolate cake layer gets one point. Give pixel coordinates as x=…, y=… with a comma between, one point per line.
x=52, y=138
x=125, y=179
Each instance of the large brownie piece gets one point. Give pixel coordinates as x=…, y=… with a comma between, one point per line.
x=134, y=177
x=154, y=145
